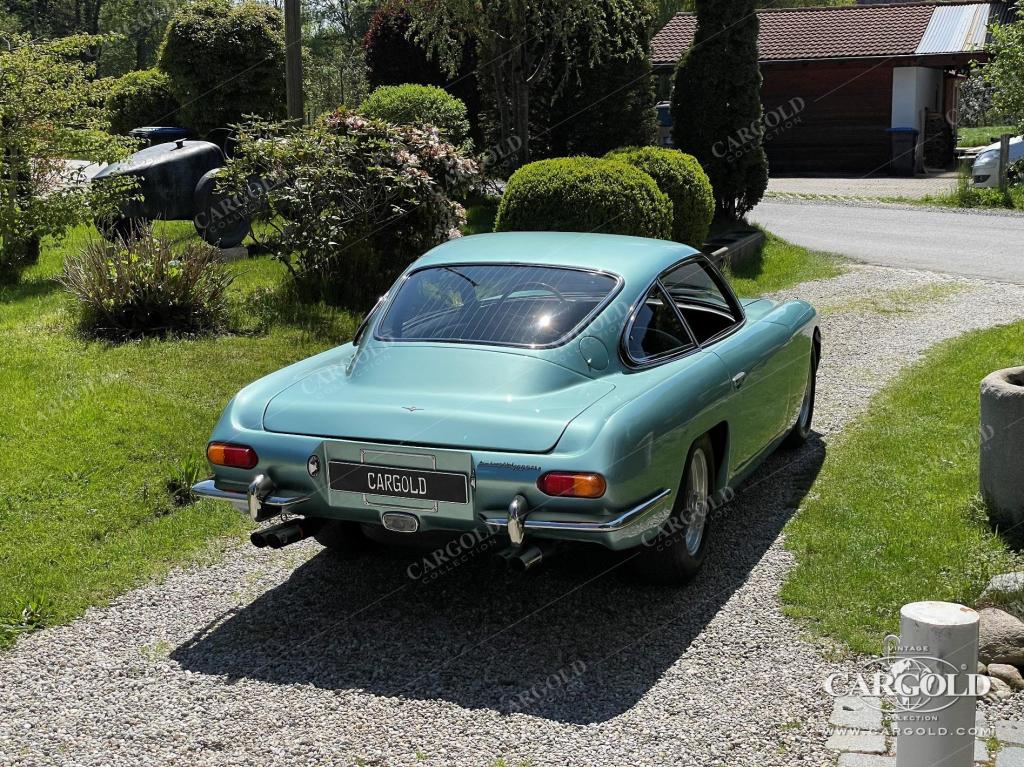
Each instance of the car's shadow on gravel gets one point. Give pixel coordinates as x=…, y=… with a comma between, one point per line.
x=580, y=641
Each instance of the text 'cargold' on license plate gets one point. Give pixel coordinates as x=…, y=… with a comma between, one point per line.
x=397, y=482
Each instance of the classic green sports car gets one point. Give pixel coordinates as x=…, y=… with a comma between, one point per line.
x=545, y=386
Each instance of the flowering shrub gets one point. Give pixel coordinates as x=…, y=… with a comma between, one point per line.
x=352, y=201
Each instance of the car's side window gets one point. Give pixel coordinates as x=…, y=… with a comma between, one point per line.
x=656, y=331
x=708, y=310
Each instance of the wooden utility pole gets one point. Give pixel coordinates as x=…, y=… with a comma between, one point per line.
x=1004, y=160
x=293, y=58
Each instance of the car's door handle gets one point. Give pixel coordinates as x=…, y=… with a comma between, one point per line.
x=738, y=379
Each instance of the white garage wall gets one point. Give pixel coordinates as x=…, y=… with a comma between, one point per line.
x=915, y=89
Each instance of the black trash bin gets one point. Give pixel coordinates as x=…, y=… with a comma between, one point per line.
x=903, y=151
x=158, y=134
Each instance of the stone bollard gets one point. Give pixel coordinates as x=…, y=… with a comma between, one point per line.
x=938, y=645
x=1002, y=449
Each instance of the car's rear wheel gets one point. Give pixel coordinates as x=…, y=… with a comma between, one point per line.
x=802, y=428
x=678, y=552
x=343, y=538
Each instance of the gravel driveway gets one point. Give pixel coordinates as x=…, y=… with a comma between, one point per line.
x=298, y=658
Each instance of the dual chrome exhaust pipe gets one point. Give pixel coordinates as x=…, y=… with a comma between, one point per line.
x=522, y=558
x=286, y=533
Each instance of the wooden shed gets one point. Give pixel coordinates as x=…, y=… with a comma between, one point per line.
x=837, y=79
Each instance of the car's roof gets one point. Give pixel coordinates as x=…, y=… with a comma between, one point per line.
x=633, y=258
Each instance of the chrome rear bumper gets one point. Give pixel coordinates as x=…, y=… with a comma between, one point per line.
x=259, y=501
x=519, y=522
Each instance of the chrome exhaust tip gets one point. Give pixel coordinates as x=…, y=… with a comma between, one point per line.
x=285, y=533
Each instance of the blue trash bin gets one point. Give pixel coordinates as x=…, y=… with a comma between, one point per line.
x=903, y=151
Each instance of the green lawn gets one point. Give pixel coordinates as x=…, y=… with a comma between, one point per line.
x=894, y=515
x=983, y=136
x=92, y=433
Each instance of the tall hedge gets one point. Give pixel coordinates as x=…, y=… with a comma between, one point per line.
x=680, y=176
x=584, y=194
x=225, y=61
x=716, y=104
x=610, y=103
x=141, y=98
x=411, y=104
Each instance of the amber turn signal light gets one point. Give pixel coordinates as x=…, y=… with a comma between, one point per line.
x=235, y=456
x=572, y=485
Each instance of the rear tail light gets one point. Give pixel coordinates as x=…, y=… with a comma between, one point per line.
x=235, y=456
x=572, y=485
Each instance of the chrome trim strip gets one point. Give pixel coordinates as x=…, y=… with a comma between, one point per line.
x=625, y=519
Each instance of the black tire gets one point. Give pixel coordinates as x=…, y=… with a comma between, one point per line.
x=802, y=428
x=121, y=229
x=675, y=555
x=223, y=221
x=343, y=538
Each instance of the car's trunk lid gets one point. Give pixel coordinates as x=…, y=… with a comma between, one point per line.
x=445, y=396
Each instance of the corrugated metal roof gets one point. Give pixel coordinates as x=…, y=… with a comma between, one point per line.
x=956, y=29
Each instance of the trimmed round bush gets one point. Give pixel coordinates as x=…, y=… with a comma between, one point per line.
x=225, y=61
x=141, y=98
x=680, y=176
x=412, y=104
x=584, y=194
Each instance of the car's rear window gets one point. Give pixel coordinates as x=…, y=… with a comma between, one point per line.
x=507, y=304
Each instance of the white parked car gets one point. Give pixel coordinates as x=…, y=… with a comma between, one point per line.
x=985, y=172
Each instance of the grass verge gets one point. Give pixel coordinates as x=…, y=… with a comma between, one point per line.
x=894, y=516
x=781, y=265
x=93, y=434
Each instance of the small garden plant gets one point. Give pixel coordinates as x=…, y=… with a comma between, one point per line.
x=147, y=287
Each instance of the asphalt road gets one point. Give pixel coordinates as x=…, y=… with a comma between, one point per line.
x=978, y=244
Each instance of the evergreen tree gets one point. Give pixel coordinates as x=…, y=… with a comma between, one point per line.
x=716, y=104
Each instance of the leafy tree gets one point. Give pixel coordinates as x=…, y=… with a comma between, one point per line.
x=1006, y=71
x=716, y=104
x=48, y=113
x=134, y=29
x=610, y=103
x=522, y=43
x=333, y=67
x=225, y=61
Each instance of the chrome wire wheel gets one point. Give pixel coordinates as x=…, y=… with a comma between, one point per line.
x=696, y=508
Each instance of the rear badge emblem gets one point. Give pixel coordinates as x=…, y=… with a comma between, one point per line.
x=411, y=408
x=313, y=466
